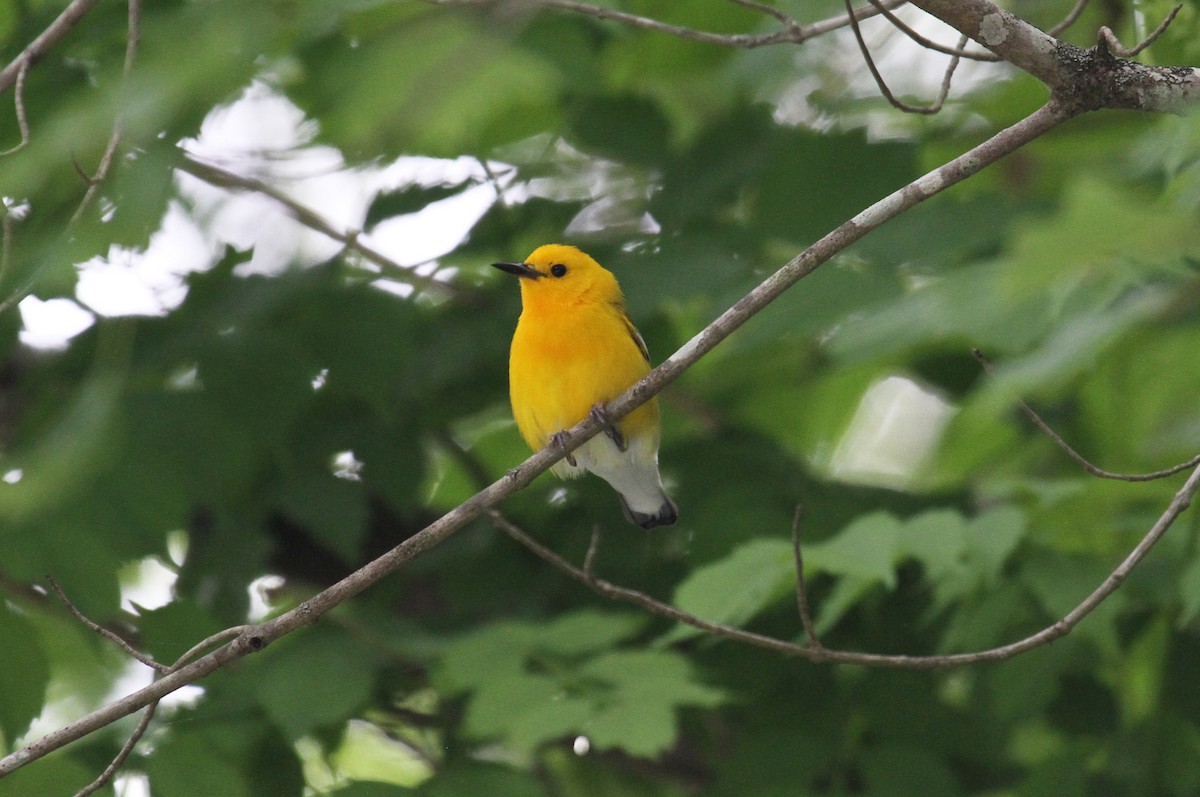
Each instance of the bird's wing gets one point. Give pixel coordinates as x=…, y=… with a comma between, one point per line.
x=637, y=336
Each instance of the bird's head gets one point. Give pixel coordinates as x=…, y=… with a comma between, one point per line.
x=557, y=277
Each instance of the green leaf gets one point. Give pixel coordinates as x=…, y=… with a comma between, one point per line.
x=475, y=658
x=170, y=631
x=368, y=789
x=292, y=681
x=369, y=752
x=647, y=689
x=447, y=86
x=332, y=509
x=937, y=539
x=409, y=199
x=481, y=778
x=533, y=685
x=864, y=555
x=867, y=549
x=1137, y=678
x=1189, y=592
x=629, y=128
x=190, y=763
x=992, y=536
x=24, y=676
x=587, y=631
x=734, y=589
x=62, y=457
x=526, y=711
x=907, y=771
x=51, y=775
x=961, y=556
x=1060, y=583
x=241, y=756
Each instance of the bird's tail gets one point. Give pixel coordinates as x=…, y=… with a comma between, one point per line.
x=633, y=473
x=665, y=514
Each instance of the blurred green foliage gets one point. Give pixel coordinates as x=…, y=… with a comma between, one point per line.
x=296, y=424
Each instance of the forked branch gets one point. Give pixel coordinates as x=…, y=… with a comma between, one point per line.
x=1106, y=38
x=159, y=668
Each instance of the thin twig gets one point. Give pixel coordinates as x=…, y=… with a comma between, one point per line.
x=959, y=51
x=22, y=119
x=219, y=638
x=777, y=14
x=122, y=755
x=943, y=92
x=6, y=233
x=215, y=175
x=589, y=559
x=814, y=652
x=1069, y=19
x=814, y=29
x=792, y=33
x=118, y=761
x=133, y=38
x=129, y=650
x=493, y=180
x=806, y=621
x=1106, y=38
x=1079, y=459
x=139, y=731
x=468, y=461
x=69, y=18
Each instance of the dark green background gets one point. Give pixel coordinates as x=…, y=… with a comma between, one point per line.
x=1072, y=264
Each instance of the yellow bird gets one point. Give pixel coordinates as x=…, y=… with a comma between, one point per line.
x=574, y=350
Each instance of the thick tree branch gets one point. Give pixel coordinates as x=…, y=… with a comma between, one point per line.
x=1081, y=80
x=1005, y=34
x=254, y=638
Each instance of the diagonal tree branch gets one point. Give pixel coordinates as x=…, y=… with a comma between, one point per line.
x=254, y=638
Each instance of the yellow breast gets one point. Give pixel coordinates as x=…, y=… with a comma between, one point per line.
x=565, y=361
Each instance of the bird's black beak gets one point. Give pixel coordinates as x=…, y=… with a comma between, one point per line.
x=519, y=269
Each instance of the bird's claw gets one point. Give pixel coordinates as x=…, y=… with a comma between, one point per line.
x=597, y=412
x=560, y=439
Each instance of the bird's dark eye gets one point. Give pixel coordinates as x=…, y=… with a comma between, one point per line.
x=558, y=269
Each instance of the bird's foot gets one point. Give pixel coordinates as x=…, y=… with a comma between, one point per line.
x=560, y=439
x=597, y=412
